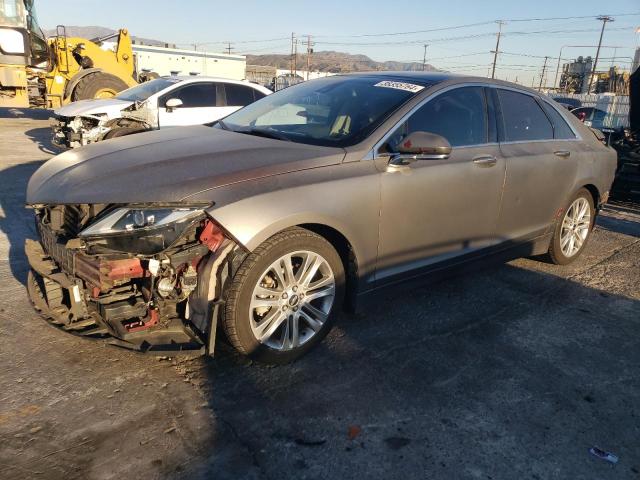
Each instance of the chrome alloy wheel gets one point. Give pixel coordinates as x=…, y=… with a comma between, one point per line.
x=575, y=227
x=292, y=300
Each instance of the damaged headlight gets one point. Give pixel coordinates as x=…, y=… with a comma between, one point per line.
x=143, y=231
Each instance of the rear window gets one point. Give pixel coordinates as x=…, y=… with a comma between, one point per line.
x=523, y=119
x=561, y=129
x=239, y=95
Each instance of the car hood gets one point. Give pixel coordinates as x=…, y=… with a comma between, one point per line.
x=168, y=165
x=110, y=106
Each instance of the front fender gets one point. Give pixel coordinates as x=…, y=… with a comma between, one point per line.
x=344, y=197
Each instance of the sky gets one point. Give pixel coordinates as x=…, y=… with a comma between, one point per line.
x=382, y=30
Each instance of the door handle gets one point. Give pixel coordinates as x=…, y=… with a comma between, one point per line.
x=485, y=161
x=562, y=153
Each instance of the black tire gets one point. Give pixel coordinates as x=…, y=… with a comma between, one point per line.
x=147, y=76
x=121, y=132
x=94, y=84
x=236, y=320
x=555, y=250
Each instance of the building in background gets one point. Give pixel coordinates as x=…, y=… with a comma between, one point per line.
x=575, y=78
x=174, y=61
x=575, y=75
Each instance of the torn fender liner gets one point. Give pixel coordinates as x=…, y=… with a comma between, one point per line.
x=204, y=302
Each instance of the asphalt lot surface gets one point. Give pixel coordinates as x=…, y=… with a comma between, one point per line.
x=510, y=372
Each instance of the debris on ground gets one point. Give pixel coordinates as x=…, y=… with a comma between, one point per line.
x=609, y=457
x=353, y=432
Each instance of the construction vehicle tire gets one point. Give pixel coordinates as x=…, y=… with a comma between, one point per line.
x=98, y=85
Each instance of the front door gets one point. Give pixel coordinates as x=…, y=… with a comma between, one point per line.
x=433, y=210
x=198, y=105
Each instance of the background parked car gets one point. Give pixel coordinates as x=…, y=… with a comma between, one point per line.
x=568, y=103
x=596, y=118
x=163, y=102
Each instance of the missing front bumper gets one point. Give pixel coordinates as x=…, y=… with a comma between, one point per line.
x=60, y=299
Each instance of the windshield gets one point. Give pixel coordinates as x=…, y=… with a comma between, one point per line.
x=12, y=14
x=336, y=111
x=37, y=42
x=143, y=91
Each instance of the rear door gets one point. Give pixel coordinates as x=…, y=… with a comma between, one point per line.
x=237, y=96
x=198, y=105
x=540, y=168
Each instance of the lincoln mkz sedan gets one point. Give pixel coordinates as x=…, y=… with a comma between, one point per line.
x=272, y=221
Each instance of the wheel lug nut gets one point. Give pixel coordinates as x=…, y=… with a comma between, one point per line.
x=295, y=288
x=295, y=309
x=284, y=295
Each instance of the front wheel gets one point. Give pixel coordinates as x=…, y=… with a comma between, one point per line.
x=284, y=297
x=573, y=229
x=122, y=132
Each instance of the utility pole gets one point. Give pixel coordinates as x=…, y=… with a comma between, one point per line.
x=544, y=68
x=295, y=57
x=604, y=19
x=309, y=52
x=293, y=39
x=424, y=58
x=497, y=50
x=229, y=48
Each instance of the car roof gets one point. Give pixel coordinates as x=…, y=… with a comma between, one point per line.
x=433, y=78
x=203, y=78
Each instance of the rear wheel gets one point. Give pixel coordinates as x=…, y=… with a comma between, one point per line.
x=98, y=85
x=573, y=229
x=284, y=297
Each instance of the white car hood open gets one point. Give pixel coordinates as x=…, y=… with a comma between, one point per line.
x=110, y=106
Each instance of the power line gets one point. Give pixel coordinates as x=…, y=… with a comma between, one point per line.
x=439, y=29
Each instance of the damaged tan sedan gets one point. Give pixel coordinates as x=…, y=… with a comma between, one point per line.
x=275, y=219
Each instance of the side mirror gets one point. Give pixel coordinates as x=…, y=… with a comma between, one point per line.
x=425, y=145
x=172, y=104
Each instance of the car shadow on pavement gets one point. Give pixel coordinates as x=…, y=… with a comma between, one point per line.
x=619, y=225
x=42, y=138
x=504, y=373
x=15, y=221
x=26, y=113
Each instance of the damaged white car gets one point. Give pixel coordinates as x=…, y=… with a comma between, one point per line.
x=163, y=102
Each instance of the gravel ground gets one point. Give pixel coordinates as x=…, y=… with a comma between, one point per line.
x=511, y=372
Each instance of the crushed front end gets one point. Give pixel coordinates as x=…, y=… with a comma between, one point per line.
x=73, y=132
x=123, y=273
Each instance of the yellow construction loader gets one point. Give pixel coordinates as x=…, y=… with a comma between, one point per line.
x=41, y=72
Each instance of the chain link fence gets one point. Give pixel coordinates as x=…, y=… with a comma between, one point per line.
x=616, y=106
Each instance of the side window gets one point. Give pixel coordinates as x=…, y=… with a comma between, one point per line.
x=561, y=129
x=238, y=95
x=522, y=117
x=193, y=95
x=458, y=115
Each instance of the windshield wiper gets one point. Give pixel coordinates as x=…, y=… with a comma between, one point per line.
x=260, y=132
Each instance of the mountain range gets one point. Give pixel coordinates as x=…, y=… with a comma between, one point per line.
x=326, y=61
